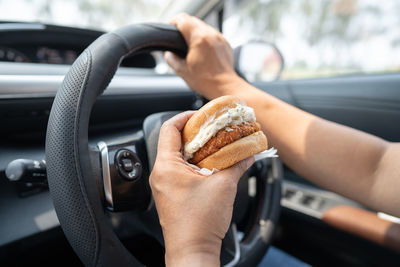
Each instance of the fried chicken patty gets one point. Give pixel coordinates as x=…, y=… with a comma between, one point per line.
x=224, y=137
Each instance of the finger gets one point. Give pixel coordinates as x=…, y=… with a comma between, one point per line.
x=237, y=170
x=170, y=133
x=177, y=63
x=187, y=25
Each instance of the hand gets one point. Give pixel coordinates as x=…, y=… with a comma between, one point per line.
x=195, y=211
x=208, y=67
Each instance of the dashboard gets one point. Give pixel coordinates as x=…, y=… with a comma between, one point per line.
x=39, y=54
x=49, y=44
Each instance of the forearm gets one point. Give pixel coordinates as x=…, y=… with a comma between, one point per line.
x=333, y=156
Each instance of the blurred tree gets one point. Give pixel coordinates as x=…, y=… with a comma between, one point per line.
x=264, y=17
x=330, y=33
x=324, y=19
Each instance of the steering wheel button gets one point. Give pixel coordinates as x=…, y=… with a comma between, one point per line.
x=133, y=173
x=127, y=165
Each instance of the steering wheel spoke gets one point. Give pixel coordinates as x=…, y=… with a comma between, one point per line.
x=130, y=224
x=124, y=173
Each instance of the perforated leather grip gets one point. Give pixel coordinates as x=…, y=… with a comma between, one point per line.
x=71, y=175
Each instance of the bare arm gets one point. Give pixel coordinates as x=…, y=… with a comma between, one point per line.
x=350, y=162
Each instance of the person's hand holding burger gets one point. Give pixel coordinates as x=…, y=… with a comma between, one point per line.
x=195, y=211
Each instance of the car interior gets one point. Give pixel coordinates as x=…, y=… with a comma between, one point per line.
x=93, y=135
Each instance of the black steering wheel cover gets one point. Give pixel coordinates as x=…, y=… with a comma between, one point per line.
x=254, y=247
x=73, y=179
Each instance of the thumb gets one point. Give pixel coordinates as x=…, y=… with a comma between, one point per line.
x=237, y=170
x=177, y=63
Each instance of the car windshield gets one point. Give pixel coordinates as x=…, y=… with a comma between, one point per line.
x=95, y=14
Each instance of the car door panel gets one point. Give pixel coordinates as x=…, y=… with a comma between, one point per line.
x=279, y=89
x=369, y=103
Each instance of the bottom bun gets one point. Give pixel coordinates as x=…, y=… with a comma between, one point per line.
x=235, y=152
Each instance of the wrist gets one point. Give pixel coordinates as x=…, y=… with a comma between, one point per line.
x=226, y=83
x=202, y=254
x=229, y=84
x=180, y=249
x=192, y=259
x=239, y=87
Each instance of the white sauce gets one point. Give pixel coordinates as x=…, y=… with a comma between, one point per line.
x=233, y=116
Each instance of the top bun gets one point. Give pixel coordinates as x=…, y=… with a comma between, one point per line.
x=215, y=107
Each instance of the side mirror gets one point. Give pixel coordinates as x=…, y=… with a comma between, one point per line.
x=258, y=61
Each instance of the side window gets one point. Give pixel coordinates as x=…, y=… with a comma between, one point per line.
x=321, y=38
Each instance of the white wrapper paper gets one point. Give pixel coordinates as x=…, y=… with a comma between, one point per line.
x=269, y=153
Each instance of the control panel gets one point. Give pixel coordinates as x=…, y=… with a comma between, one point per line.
x=124, y=174
x=128, y=164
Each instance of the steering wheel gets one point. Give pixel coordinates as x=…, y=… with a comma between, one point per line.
x=88, y=182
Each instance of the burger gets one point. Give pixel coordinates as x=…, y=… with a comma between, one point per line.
x=222, y=133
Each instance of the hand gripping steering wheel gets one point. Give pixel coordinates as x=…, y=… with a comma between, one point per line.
x=88, y=182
